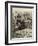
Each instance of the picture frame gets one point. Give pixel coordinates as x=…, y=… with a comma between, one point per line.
x=20, y=22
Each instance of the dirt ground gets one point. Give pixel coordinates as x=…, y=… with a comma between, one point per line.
x=23, y=33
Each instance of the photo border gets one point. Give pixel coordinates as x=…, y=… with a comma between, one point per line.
x=6, y=22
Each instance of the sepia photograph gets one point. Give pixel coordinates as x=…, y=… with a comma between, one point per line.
x=21, y=23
